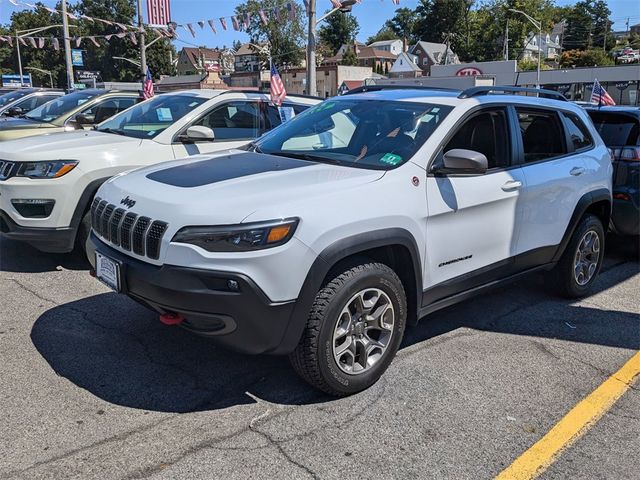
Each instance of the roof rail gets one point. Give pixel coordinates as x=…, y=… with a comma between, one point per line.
x=266, y=92
x=377, y=88
x=541, y=92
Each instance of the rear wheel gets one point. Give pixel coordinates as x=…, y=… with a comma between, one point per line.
x=353, y=331
x=581, y=261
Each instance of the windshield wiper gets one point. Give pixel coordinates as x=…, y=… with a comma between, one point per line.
x=307, y=156
x=112, y=130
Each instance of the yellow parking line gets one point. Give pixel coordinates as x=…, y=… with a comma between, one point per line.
x=573, y=425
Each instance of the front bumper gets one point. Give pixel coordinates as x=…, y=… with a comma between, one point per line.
x=242, y=319
x=51, y=240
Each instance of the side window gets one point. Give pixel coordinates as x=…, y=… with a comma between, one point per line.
x=578, y=132
x=273, y=115
x=42, y=99
x=542, y=134
x=106, y=109
x=485, y=132
x=234, y=121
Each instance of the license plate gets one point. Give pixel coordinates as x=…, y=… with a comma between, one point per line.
x=108, y=271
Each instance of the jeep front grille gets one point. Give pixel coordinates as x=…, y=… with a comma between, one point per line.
x=127, y=230
x=6, y=169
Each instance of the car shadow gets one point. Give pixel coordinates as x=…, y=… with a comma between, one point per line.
x=19, y=257
x=120, y=352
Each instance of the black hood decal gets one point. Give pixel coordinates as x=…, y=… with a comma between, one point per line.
x=228, y=167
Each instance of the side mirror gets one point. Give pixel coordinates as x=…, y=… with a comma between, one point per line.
x=14, y=112
x=84, y=119
x=460, y=160
x=198, y=133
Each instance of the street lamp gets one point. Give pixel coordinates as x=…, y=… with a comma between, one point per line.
x=311, y=42
x=42, y=71
x=538, y=25
x=25, y=33
x=135, y=62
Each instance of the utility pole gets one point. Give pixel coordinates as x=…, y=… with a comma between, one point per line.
x=143, y=48
x=311, y=51
x=506, y=41
x=67, y=46
x=19, y=59
x=604, y=39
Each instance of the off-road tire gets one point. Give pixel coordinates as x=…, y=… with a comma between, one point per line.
x=562, y=278
x=313, y=358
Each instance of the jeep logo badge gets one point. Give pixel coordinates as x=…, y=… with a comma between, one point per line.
x=127, y=202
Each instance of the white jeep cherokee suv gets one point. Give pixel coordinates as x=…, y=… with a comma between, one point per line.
x=47, y=182
x=327, y=235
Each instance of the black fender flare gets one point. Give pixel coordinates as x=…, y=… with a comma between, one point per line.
x=85, y=201
x=330, y=256
x=582, y=206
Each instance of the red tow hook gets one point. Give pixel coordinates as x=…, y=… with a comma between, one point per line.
x=171, y=319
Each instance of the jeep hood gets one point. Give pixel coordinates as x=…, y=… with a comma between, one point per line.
x=227, y=188
x=76, y=145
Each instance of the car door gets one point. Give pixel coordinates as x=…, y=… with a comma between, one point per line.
x=473, y=220
x=552, y=169
x=234, y=123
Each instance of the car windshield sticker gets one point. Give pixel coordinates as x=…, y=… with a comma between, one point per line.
x=324, y=106
x=164, y=114
x=391, y=159
x=193, y=104
x=286, y=113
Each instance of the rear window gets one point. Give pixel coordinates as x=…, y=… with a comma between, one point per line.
x=617, y=130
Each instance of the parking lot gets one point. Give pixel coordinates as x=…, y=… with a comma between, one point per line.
x=94, y=386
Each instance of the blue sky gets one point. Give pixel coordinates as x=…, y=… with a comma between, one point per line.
x=371, y=14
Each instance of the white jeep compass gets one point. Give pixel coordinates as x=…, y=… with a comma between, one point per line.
x=325, y=237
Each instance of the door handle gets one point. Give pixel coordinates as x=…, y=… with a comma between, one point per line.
x=511, y=185
x=577, y=171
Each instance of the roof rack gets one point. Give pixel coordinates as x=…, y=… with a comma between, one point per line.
x=377, y=88
x=541, y=92
x=263, y=91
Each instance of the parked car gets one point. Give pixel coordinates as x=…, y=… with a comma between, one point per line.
x=619, y=127
x=30, y=99
x=75, y=111
x=47, y=182
x=327, y=235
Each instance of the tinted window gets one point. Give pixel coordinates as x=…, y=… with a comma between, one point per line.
x=617, y=130
x=273, y=114
x=148, y=119
x=376, y=134
x=486, y=133
x=577, y=131
x=12, y=96
x=56, y=108
x=234, y=121
x=542, y=134
x=108, y=108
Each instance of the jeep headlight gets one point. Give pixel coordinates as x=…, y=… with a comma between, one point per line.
x=49, y=169
x=239, y=238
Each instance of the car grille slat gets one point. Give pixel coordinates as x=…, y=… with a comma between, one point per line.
x=139, y=234
x=6, y=169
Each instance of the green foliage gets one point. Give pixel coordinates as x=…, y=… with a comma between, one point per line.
x=349, y=58
x=585, y=58
x=286, y=39
x=383, y=34
x=634, y=41
x=95, y=58
x=339, y=29
x=529, y=64
x=403, y=24
x=588, y=23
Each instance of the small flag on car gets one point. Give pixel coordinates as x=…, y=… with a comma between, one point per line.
x=278, y=92
x=147, y=89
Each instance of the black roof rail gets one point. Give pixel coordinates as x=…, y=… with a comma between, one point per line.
x=541, y=92
x=377, y=88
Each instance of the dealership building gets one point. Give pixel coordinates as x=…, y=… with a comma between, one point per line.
x=621, y=81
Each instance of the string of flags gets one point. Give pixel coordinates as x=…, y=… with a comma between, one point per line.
x=236, y=22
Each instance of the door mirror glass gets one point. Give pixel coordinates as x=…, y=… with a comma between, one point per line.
x=460, y=160
x=198, y=133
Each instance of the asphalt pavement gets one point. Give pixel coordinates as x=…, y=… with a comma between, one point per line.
x=93, y=386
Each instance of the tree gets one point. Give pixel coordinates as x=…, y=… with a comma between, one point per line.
x=383, y=34
x=403, y=24
x=339, y=29
x=285, y=38
x=349, y=57
x=585, y=58
x=236, y=45
x=589, y=26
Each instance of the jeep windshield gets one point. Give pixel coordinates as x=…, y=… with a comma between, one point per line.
x=375, y=134
x=150, y=118
x=54, y=109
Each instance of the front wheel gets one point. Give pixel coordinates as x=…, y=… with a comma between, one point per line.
x=580, y=263
x=353, y=331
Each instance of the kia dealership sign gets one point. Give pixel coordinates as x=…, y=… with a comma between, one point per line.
x=468, y=72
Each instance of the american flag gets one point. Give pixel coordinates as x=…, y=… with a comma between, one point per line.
x=159, y=12
x=336, y=3
x=147, y=89
x=278, y=92
x=600, y=96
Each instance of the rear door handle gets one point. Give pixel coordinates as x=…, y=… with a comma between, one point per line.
x=577, y=171
x=512, y=185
